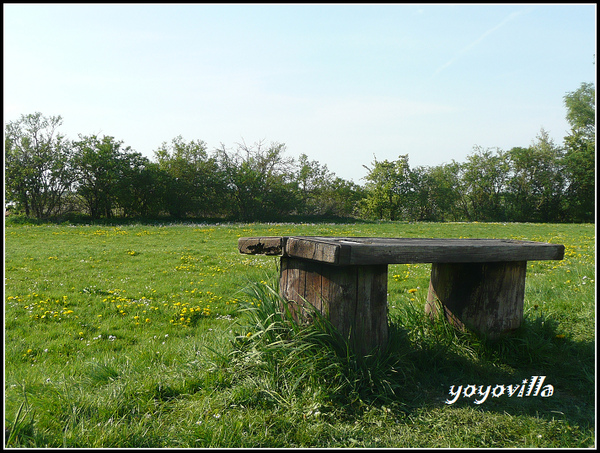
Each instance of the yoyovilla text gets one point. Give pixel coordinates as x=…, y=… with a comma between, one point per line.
x=529, y=387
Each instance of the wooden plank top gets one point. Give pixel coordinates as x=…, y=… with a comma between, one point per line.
x=344, y=251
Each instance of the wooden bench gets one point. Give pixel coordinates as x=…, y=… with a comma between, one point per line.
x=477, y=283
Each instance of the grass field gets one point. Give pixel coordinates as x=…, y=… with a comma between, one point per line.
x=150, y=336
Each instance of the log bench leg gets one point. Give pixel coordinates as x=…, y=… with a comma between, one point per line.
x=353, y=298
x=484, y=297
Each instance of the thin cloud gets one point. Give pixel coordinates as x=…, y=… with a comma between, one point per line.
x=466, y=49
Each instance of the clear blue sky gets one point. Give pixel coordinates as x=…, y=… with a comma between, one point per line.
x=340, y=83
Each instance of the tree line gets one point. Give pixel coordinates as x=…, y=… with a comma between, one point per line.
x=49, y=176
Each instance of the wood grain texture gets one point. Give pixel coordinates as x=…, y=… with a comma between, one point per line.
x=486, y=298
x=353, y=298
x=369, y=251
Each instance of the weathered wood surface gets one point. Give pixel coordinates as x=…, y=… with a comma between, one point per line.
x=486, y=298
x=367, y=251
x=353, y=298
x=266, y=245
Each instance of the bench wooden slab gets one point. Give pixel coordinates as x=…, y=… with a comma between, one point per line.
x=476, y=283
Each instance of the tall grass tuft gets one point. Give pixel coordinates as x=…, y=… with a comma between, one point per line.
x=20, y=433
x=290, y=362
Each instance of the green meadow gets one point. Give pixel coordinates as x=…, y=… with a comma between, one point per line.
x=164, y=335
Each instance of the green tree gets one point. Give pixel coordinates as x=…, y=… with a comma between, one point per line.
x=259, y=181
x=581, y=111
x=550, y=178
x=141, y=190
x=322, y=193
x=521, y=196
x=195, y=184
x=101, y=167
x=580, y=159
x=387, y=190
x=314, y=181
x=536, y=186
x=434, y=193
x=485, y=176
x=422, y=202
x=447, y=195
x=341, y=198
x=38, y=170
